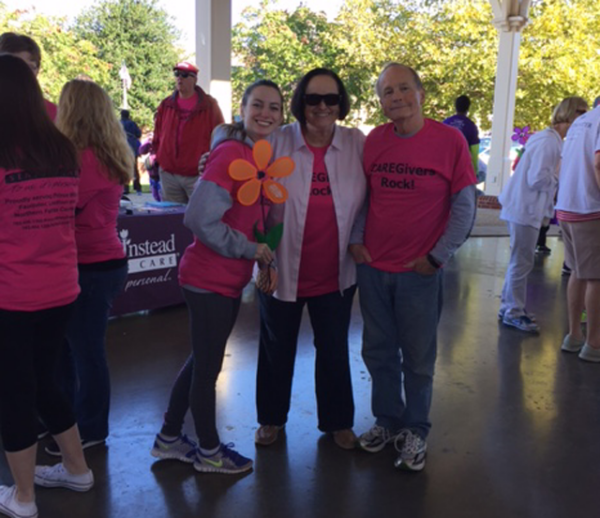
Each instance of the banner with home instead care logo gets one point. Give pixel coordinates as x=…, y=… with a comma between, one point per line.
x=154, y=244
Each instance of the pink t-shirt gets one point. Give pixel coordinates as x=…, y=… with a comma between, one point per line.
x=51, y=109
x=38, y=258
x=97, y=212
x=411, y=181
x=319, y=261
x=186, y=107
x=202, y=267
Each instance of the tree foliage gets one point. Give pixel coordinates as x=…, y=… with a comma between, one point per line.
x=451, y=43
x=141, y=34
x=64, y=55
x=279, y=45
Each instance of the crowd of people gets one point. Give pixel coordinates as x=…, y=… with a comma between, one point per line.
x=378, y=215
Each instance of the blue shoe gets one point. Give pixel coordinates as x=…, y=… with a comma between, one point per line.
x=180, y=448
x=522, y=323
x=502, y=312
x=226, y=460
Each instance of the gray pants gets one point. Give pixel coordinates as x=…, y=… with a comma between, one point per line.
x=523, y=239
x=176, y=188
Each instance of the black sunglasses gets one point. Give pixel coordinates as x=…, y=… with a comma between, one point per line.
x=179, y=73
x=315, y=99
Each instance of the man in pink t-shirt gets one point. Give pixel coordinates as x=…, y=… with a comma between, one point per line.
x=182, y=129
x=421, y=208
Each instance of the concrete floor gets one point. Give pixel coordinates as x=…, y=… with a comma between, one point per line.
x=515, y=422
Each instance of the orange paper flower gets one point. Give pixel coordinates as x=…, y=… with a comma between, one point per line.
x=261, y=175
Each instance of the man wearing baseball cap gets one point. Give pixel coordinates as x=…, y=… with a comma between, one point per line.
x=182, y=129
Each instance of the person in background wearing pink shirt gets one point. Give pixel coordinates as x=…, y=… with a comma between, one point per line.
x=38, y=286
x=213, y=271
x=421, y=208
x=29, y=51
x=86, y=116
x=182, y=129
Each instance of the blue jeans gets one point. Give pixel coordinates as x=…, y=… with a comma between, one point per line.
x=401, y=312
x=86, y=379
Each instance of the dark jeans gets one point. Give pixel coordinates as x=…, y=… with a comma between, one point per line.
x=137, y=186
x=86, y=377
x=212, y=318
x=279, y=326
x=542, y=236
x=30, y=344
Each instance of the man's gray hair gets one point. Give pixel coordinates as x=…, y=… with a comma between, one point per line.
x=413, y=72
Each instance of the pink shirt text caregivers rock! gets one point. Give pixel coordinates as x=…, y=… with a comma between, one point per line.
x=38, y=258
x=319, y=263
x=411, y=181
x=97, y=212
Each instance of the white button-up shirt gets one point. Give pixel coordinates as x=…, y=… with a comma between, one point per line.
x=344, y=162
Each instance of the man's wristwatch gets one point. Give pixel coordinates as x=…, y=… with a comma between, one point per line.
x=434, y=262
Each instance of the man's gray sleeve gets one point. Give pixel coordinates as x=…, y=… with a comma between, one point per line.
x=357, y=234
x=462, y=217
x=203, y=217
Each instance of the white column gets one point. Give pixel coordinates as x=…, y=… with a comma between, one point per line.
x=498, y=171
x=510, y=19
x=213, y=50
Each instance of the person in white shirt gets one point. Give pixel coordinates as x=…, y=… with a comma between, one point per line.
x=578, y=211
x=527, y=199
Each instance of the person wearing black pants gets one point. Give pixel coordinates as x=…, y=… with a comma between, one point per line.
x=30, y=345
x=280, y=323
x=214, y=270
x=541, y=247
x=326, y=193
x=212, y=317
x=38, y=282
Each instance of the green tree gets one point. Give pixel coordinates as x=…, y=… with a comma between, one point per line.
x=64, y=55
x=559, y=58
x=141, y=34
x=280, y=46
x=451, y=43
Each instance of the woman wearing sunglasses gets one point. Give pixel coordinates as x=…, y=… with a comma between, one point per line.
x=326, y=192
x=213, y=272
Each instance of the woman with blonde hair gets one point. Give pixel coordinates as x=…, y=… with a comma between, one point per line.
x=86, y=115
x=526, y=201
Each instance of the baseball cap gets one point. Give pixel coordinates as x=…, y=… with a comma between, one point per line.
x=186, y=66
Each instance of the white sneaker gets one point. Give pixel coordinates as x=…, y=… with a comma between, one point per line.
x=412, y=449
x=570, y=345
x=58, y=476
x=589, y=354
x=10, y=506
x=375, y=439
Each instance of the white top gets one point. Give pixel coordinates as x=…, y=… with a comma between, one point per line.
x=528, y=197
x=344, y=162
x=579, y=191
